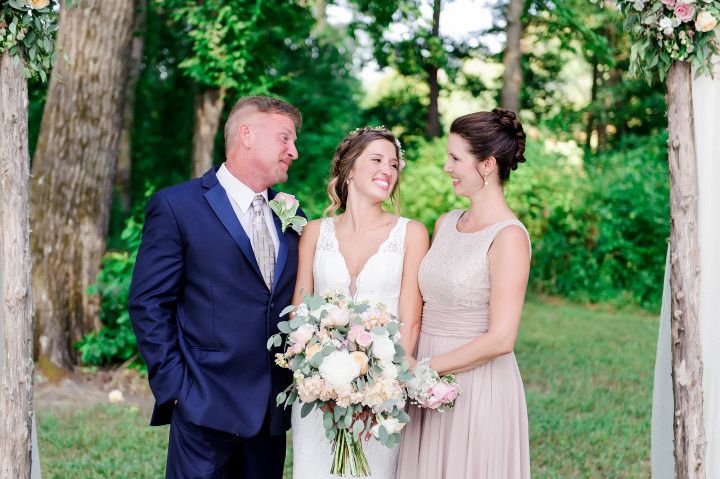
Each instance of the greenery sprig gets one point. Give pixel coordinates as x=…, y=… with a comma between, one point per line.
x=27, y=32
x=665, y=31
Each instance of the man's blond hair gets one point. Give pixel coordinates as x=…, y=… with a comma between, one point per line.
x=251, y=104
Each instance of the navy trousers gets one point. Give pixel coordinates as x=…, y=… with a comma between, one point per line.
x=198, y=452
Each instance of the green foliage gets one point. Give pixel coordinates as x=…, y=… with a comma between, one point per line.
x=27, y=33
x=600, y=231
x=116, y=340
x=425, y=189
x=235, y=44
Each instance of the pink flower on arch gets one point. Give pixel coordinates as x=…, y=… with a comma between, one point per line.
x=684, y=12
x=669, y=3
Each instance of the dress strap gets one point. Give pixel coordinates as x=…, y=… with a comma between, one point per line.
x=492, y=232
x=396, y=241
x=326, y=239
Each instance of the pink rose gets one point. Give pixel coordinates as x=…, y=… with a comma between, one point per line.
x=444, y=392
x=669, y=3
x=360, y=335
x=286, y=199
x=684, y=12
x=433, y=402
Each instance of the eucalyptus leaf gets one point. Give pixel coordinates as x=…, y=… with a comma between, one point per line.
x=306, y=409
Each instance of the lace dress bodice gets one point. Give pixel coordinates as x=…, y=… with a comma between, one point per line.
x=455, y=271
x=380, y=279
x=378, y=282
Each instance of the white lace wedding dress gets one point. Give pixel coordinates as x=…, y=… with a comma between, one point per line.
x=378, y=282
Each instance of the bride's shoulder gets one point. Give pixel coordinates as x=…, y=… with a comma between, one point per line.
x=416, y=233
x=311, y=232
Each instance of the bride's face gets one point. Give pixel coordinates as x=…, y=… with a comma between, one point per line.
x=375, y=171
x=462, y=167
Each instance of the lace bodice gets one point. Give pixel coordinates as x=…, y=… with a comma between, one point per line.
x=455, y=270
x=380, y=278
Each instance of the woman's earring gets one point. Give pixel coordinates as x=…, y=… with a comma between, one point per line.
x=485, y=181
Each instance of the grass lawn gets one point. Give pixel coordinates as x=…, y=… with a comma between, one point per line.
x=588, y=381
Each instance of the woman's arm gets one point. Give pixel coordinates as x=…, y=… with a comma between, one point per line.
x=509, y=263
x=411, y=303
x=306, y=255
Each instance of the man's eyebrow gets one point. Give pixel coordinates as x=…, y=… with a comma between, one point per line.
x=286, y=130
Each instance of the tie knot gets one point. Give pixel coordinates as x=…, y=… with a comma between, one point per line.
x=258, y=202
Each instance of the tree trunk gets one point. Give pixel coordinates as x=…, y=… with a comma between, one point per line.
x=589, y=128
x=124, y=164
x=687, y=365
x=320, y=14
x=432, y=125
x=16, y=364
x=73, y=172
x=512, y=77
x=208, y=110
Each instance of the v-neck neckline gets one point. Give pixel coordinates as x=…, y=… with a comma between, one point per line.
x=367, y=261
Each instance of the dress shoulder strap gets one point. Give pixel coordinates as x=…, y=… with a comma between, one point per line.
x=492, y=232
x=396, y=241
x=326, y=239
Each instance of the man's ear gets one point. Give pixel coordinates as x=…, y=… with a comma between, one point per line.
x=246, y=136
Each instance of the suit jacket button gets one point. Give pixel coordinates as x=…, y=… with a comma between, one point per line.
x=272, y=305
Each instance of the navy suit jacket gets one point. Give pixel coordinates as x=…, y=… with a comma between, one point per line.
x=202, y=313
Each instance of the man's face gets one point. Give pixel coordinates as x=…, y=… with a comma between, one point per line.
x=273, y=147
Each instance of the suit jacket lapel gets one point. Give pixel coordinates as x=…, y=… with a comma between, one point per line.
x=220, y=203
x=283, y=248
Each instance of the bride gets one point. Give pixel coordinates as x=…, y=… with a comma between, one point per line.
x=367, y=254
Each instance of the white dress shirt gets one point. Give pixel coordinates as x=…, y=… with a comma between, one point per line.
x=241, y=198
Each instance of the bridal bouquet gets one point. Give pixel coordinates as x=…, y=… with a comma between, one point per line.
x=428, y=389
x=346, y=361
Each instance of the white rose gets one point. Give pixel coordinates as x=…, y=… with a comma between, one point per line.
x=339, y=369
x=391, y=424
x=383, y=348
x=302, y=334
x=705, y=21
x=336, y=316
x=302, y=310
x=389, y=370
x=666, y=25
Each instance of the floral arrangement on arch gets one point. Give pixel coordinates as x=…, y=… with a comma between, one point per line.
x=665, y=31
x=27, y=33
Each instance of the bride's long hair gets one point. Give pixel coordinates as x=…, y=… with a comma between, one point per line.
x=343, y=161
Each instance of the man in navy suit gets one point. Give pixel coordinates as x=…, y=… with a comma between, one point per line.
x=213, y=272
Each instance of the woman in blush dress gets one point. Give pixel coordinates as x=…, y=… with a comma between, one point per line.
x=473, y=283
x=365, y=253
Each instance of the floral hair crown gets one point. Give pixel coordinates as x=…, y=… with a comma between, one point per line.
x=401, y=152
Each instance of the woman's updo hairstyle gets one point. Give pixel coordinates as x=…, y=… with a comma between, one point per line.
x=496, y=133
x=343, y=161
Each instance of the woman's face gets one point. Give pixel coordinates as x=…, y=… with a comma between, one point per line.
x=462, y=167
x=375, y=171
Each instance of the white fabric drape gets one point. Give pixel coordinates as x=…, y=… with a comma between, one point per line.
x=706, y=108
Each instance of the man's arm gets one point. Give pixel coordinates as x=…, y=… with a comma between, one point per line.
x=154, y=293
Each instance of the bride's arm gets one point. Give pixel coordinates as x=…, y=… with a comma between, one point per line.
x=411, y=303
x=509, y=263
x=306, y=254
